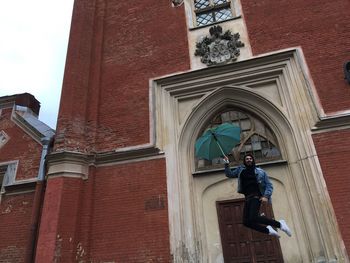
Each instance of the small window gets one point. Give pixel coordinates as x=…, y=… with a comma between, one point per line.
x=212, y=11
x=3, y=169
x=7, y=174
x=3, y=138
x=256, y=138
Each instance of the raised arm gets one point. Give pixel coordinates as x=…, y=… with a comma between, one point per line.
x=230, y=173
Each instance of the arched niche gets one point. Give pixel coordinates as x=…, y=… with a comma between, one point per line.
x=277, y=88
x=296, y=204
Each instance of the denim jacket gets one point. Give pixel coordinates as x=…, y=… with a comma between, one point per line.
x=265, y=186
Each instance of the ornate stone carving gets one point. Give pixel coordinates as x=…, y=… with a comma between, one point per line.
x=219, y=47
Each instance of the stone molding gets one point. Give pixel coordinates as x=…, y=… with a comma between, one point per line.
x=20, y=188
x=76, y=164
x=332, y=122
x=261, y=165
x=275, y=87
x=127, y=155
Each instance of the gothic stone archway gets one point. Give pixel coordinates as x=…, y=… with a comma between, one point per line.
x=275, y=89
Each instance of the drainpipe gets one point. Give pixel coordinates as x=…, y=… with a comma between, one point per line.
x=37, y=202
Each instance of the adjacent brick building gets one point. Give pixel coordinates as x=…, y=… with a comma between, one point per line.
x=24, y=142
x=144, y=79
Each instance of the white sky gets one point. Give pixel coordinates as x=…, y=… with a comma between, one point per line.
x=33, y=45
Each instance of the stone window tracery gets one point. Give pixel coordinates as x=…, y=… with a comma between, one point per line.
x=256, y=138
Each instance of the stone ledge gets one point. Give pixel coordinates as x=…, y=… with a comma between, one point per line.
x=20, y=188
x=117, y=156
x=332, y=122
x=96, y=159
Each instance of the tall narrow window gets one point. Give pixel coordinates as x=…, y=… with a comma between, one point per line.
x=7, y=174
x=256, y=138
x=211, y=11
x=3, y=169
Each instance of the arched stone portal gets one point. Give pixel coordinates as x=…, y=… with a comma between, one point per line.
x=273, y=89
x=209, y=187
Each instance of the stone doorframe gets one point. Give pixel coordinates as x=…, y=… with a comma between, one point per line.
x=276, y=88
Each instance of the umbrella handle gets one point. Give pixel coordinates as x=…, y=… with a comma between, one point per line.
x=223, y=154
x=216, y=140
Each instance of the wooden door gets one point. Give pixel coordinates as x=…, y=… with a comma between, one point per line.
x=241, y=244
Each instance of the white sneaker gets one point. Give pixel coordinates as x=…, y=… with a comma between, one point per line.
x=284, y=227
x=272, y=232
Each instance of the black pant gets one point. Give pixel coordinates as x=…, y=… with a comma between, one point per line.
x=252, y=219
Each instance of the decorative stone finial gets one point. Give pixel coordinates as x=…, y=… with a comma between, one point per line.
x=219, y=48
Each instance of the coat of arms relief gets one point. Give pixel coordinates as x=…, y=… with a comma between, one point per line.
x=219, y=47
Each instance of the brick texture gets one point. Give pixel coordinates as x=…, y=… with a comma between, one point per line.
x=321, y=28
x=59, y=220
x=118, y=215
x=19, y=147
x=115, y=48
x=333, y=150
x=16, y=210
x=15, y=215
x=130, y=216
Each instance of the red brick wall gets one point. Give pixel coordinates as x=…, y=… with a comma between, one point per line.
x=16, y=210
x=20, y=147
x=15, y=215
x=115, y=48
x=119, y=214
x=321, y=28
x=333, y=149
x=130, y=217
x=59, y=221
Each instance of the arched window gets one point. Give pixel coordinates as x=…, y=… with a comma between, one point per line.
x=256, y=138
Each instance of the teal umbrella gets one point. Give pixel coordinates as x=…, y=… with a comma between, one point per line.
x=217, y=142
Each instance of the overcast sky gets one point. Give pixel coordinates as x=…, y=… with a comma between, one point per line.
x=33, y=45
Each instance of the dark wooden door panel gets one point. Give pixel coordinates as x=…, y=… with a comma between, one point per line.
x=241, y=244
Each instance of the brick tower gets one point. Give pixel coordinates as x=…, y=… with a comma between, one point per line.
x=144, y=79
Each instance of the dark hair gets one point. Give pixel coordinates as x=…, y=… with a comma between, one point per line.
x=250, y=155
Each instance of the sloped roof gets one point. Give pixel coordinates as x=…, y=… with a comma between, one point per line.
x=33, y=121
x=25, y=114
x=26, y=119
